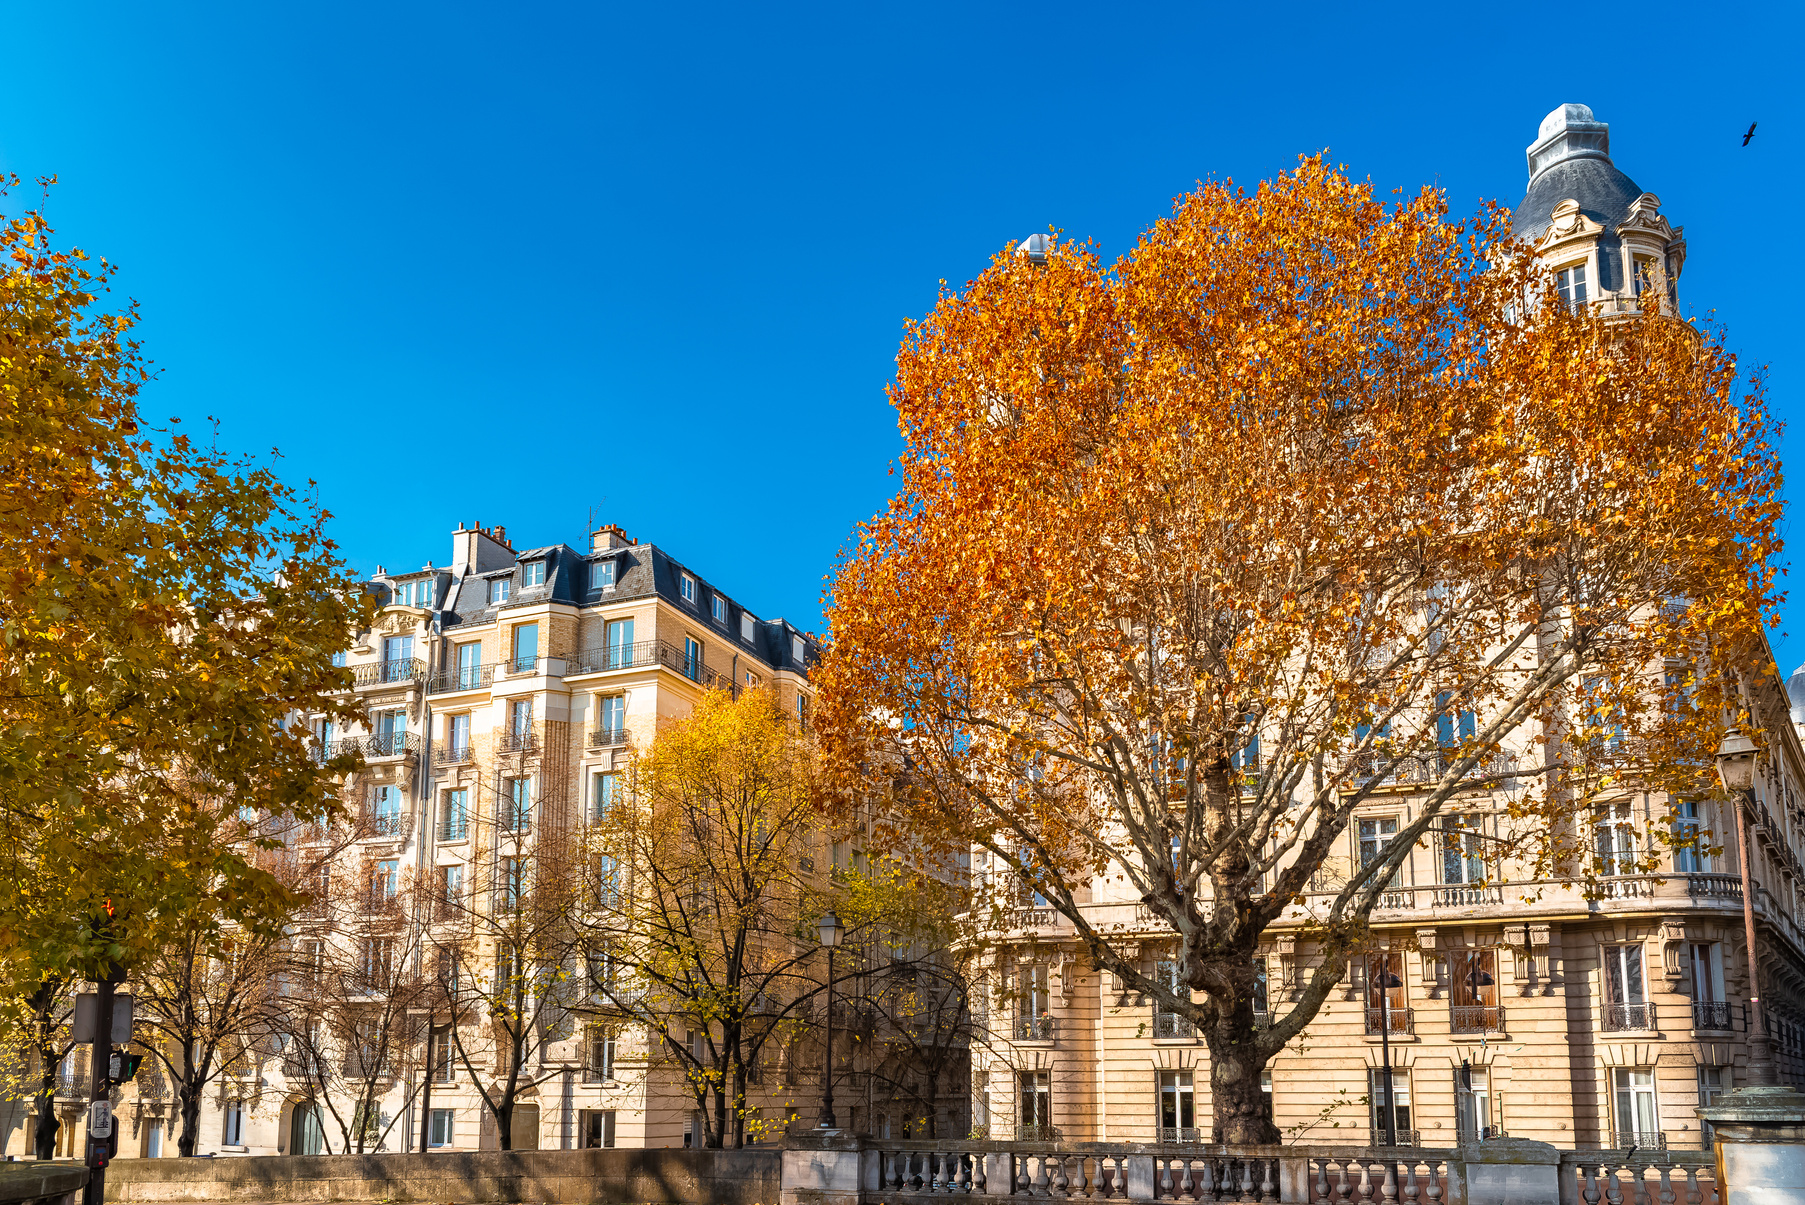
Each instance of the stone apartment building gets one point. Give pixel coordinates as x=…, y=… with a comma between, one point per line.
x=1579, y=1022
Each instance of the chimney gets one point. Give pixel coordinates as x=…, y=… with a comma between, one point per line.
x=607, y=537
x=474, y=550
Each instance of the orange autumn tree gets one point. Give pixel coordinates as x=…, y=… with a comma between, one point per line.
x=1308, y=482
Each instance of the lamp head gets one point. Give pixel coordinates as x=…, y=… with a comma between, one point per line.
x=1736, y=762
x=1035, y=248
x=831, y=931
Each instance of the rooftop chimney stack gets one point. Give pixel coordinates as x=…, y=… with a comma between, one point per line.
x=607, y=537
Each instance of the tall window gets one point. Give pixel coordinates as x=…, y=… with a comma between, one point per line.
x=692, y=659
x=1259, y=989
x=1376, y=836
x=1636, y=1123
x=1387, y=999
x=620, y=643
x=1177, y=1107
x=719, y=608
x=533, y=574
x=1462, y=850
x=1473, y=1103
x=687, y=586
x=498, y=590
x=1626, y=1001
x=378, y=953
x=385, y=808
x=601, y=575
x=526, y=647
x=746, y=628
x=614, y=717
x=1400, y=1103
x=517, y=809
x=1712, y=1083
x=513, y=882
x=1034, y=1005
x=1709, y=1008
x=397, y=658
x=1168, y=1023
x=598, y=1064
x=1473, y=996
x=454, y=825
x=234, y=1128
x=451, y=888
x=1035, y=1089
x=384, y=880
x=1688, y=846
x=470, y=665
x=457, y=731
x=1571, y=281
x=1614, y=837
x=1453, y=725
x=520, y=720
x=604, y=793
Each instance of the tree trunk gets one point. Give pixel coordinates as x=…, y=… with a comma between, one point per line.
x=504, y=1126
x=1238, y=1108
x=191, y=1119
x=44, y=1139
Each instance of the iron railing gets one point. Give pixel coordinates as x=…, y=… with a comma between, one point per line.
x=391, y=744
x=1172, y=1025
x=454, y=826
x=1711, y=1014
x=1396, y=1138
x=383, y=673
x=523, y=740
x=387, y=824
x=1393, y=1020
x=1647, y=1140
x=1629, y=1016
x=1179, y=1135
x=512, y=820
x=1035, y=1132
x=453, y=755
x=615, y=656
x=1475, y=1018
x=1035, y=1029
x=464, y=677
x=607, y=737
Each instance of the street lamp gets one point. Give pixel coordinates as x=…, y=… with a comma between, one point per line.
x=831, y=933
x=1736, y=767
x=1387, y=981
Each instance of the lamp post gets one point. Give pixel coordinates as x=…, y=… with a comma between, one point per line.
x=1736, y=768
x=1387, y=981
x=831, y=932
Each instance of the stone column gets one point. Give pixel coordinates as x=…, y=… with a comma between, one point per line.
x=1507, y=1171
x=1758, y=1134
x=822, y=1167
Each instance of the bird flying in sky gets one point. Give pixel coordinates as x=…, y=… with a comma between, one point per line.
x=1749, y=135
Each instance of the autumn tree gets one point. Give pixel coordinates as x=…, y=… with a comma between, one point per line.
x=1307, y=480
x=40, y=1039
x=164, y=608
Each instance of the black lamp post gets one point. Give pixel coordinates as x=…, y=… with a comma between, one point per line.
x=1736, y=767
x=831, y=932
x=1387, y=981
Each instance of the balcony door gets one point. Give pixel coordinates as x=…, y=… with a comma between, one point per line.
x=1035, y=1119
x=1474, y=991
x=1387, y=1001
x=397, y=657
x=620, y=643
x=470, y=664
x=1626, y=999
x=1637, y=1123
x=1177, y=1107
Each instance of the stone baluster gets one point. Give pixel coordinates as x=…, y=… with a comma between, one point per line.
x=1591, y=1187
x=899, y=1169
x=1613, y=1187
x=1344, y=1188
x=1437, y=1172
x=1366, y=1181
x=1059, y=1184
x=1024, y=1183
x=1667, y=1194
x=1410, y=1181
x=1268, y=1189
x=1391, y=1183
x=942, y=1167
x=1247, y=1197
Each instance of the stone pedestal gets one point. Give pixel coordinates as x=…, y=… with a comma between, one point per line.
x=1507, y=1171
x=1759, y=1138
x=826, y=1167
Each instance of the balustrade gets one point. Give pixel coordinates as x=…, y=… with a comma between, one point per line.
x=1644, y=1178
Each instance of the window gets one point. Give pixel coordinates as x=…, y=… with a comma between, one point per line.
x=1398, y=1115
x=1712, y=1083
x=797, y=649
x=377, y=956
x=719, y=608
x=526, y=647
x=1571, y=281
x=1387, y=999
x=454, y=824
x=339, y=660
x=620, y=643
x=1462, y=850
x=1635, y=1100
x=384, y=876
x=451, y=887
x=1473, y=980
x=1177, y=1107
x=385, y=809
x=415, y=594
x=1034, y=1005
x=457, y=735
x=1603, y=716
x=753, y=681
x=391, y=734
x=517, y=806
x=1259, y=989
x=520, y=721
x=1688, y=846
x=513, y=882
x=1453, y=725
x=802, y=711
x=498, y=590
x=439, y=1132
x=614, y=718
x=1166, y=1022
x=1614, y=835
x=1642, y=274
x=470, y=665
x=598, y=1065
x=1376, y=836
x=604, y=793
x=747, y=632
x=234, y=1129
x=597, y=1129
x=601, y=575
x=1473, y=1103
x=533, y=574
x=692, y=659
x=397, y=659
x=1709, y=1008
x=687, y=585
x=1036, y=1105
x=1625, y=1000
x=1027, y=892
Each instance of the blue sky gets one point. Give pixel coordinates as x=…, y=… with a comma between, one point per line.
x=512, y=263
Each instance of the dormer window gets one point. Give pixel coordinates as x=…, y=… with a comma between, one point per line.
x=687, y=585
x=534, y=574
x=415, y=594
x=601, y=575
x=498, y=591
x=746, y=631
x=1571, y=281
x=797, y=648
x=720, y=610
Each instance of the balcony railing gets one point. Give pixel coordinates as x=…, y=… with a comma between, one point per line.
x=511, y=821
x=1475, y=1018
x=384, y=673
x=464, y=677
x=1392, y=1020
x=455, y=826
x=607, y=737
x=1035, y=1029
x=386, y=824
x=1714, y=887
x=1036, y=1133
x=524, y=740
x=453, y=755
x=1629, y=1016
x=391, y=744
x=1171, y=1025
x=1396, y=1138
x=613, y=657
x=1623, y=1140
x=1414, y=769
x=1173, y=1135
x=1711, y=1014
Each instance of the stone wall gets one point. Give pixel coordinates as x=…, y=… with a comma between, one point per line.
x=594, y=1177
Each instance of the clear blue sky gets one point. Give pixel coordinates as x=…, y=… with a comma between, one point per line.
x=512, y=262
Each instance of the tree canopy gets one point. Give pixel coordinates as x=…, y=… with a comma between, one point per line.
x=1305, y=496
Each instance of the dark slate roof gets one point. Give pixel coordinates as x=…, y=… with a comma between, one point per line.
x=1604, y=195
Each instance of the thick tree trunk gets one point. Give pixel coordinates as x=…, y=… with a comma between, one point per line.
x=1238, y=1106
x=191, y=1120
x=44, y=1136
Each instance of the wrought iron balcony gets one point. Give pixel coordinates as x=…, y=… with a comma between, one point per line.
x=1036, y=1133
x=1475, y=1018
x=1036, y=1029
x=512, y=821
x=1174, y=1135
x=1399, y=1020
x=1629, y=1016
x=1171, y=1025
x=391, y=744
x=607, y=737
x=613, y=657
x=1711, y=1014
x=388, y=673
x=1624, y=1140
x=453, y=755
x=386, y=824
x=1396, y=1138
x=523, y=740
x=464, y=677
